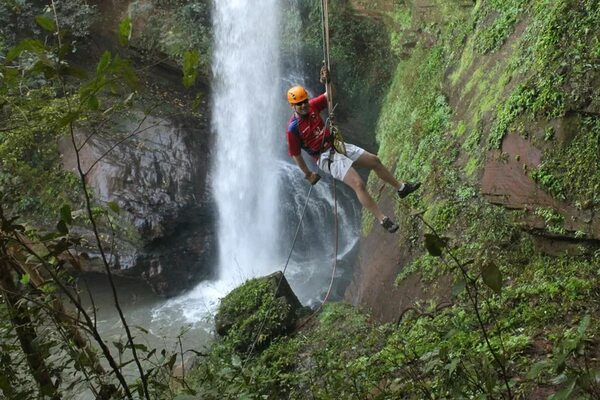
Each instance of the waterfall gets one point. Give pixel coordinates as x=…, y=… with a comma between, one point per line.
x=254, y=184
x=246, y=95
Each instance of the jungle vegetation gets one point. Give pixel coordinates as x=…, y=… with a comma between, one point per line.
x=520, y=323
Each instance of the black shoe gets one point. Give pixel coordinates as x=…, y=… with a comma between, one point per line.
x=408, y=188
x=389, y=225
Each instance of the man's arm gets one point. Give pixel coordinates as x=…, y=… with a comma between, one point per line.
x=308, y=174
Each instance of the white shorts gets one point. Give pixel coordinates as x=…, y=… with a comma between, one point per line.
x=341, y=163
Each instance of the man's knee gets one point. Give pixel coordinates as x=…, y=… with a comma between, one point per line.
x=354, y=180
x=359, y=185
x=377, y=162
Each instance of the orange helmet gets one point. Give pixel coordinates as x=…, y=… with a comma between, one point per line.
x=297, y=94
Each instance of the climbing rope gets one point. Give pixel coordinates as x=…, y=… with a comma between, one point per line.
x=326, y=58
x=338, y=140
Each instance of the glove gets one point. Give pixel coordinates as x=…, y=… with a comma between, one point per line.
x=324, y=74
x=312, y=178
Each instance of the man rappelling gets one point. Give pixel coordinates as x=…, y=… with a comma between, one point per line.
x=307, y=131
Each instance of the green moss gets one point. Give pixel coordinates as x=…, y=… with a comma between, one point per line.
x=554, y=221
x=461, y=129
x=495, y=22
x=570, y=171
x=428, y=267
x=558, y=31
x=475, y=79
x=466, y=60
x=250, y=307
x=472, y=166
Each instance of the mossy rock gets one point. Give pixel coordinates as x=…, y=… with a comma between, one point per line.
x=257, y=312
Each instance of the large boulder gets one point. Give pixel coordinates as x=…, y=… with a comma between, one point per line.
x=158, y=178
x=258, y=311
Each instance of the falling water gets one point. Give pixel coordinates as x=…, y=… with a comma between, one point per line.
x=254, y=184
x=246, y=74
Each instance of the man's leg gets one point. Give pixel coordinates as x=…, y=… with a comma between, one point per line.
x=353, y=179
x=371, y=161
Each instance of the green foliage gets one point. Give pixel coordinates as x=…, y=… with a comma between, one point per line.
x=256, y=315
x=21, y=17
x=31, y=175
x=557, y=53
x=432, y=352
x=175, y=28
x=415, y=117
x=548, y=181
x=428, y=266
x=190, y=65
x=554, y=221
x=569, y=171
x=125, y=28
x=495, y=21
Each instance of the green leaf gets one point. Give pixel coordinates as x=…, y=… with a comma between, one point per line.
x=68, y=119
x=62, y=228
x=125, y=28
x=172, y=361
x=119, y=346
x=536, y=369
x=65, y=214
x=114, y=207
x=103, y=63
x=583, y=325
x=75, y=72
x=190, y=67
x=25, y=279
x=140, y=347
x=492, y=276
x=434, y=244
x=458, y=287
x=236, y=361
x=35, y=46
x=125, y=70
x=565, y=392
x=93, y=103
x=46, y=23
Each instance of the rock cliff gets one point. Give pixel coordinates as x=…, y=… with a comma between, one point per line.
x=503, y=143
x=153, y=161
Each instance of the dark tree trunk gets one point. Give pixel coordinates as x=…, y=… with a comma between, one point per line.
x=24, y=329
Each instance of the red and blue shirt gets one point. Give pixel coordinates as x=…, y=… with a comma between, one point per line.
x=306, y=132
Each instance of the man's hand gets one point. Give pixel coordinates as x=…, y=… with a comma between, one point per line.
x=312, y=177
x=324, y=74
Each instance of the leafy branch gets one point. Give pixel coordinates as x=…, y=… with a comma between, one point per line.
x=492, y=277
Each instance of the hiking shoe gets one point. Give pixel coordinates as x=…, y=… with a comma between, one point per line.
x=389, y=225
x=408, y=188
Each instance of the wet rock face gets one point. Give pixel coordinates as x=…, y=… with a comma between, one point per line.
x=157, y=176
x=507, y=182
